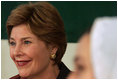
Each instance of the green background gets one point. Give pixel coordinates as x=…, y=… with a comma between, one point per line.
x=77, y=15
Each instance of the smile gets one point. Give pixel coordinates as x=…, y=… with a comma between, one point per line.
x=22, y=63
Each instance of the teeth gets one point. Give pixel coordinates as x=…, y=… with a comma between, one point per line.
x=22, y=63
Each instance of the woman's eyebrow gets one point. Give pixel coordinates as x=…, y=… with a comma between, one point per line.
x=24, y=38
x=77, y=58
x=11, y=38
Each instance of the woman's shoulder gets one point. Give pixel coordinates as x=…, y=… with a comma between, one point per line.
x=16, y=77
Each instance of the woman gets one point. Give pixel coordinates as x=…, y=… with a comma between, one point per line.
x=37, y=41
x=97, y=51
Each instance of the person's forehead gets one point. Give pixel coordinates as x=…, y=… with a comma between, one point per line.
x=84, y=38
x=21, y=31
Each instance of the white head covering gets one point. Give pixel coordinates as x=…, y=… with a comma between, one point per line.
x=104, y=47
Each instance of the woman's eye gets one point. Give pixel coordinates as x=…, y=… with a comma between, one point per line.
x=12, y=43
x=80, y=67
x=27, y=42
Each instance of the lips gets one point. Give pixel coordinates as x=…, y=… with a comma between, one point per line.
x=23, y=62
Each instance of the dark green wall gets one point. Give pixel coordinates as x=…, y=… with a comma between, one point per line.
x=77, y=15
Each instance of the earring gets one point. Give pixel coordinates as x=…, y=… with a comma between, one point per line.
x=53, y=56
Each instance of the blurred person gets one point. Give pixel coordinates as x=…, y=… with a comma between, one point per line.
x=37, y=41
x=83, y=65
x=97, y=51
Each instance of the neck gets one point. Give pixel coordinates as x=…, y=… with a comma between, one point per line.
x=51, y=72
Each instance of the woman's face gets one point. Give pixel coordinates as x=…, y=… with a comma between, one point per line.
x=30, y=54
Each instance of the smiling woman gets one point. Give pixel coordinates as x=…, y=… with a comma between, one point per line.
x=37, y=41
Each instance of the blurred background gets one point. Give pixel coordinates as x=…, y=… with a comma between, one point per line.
x=77, y=16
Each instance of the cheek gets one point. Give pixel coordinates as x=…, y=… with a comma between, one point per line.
x=37, y=52
x=11, y=53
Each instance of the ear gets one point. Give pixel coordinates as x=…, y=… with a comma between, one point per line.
x=54, y=50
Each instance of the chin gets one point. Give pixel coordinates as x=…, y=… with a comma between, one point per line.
x=24, y=74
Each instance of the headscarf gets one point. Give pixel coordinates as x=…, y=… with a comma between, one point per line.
x=104, y=47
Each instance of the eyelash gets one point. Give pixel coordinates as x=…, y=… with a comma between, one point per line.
x=12, y=43
x=80, y=67
x=25, y=42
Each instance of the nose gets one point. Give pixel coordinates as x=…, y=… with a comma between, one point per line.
x=18, y=50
